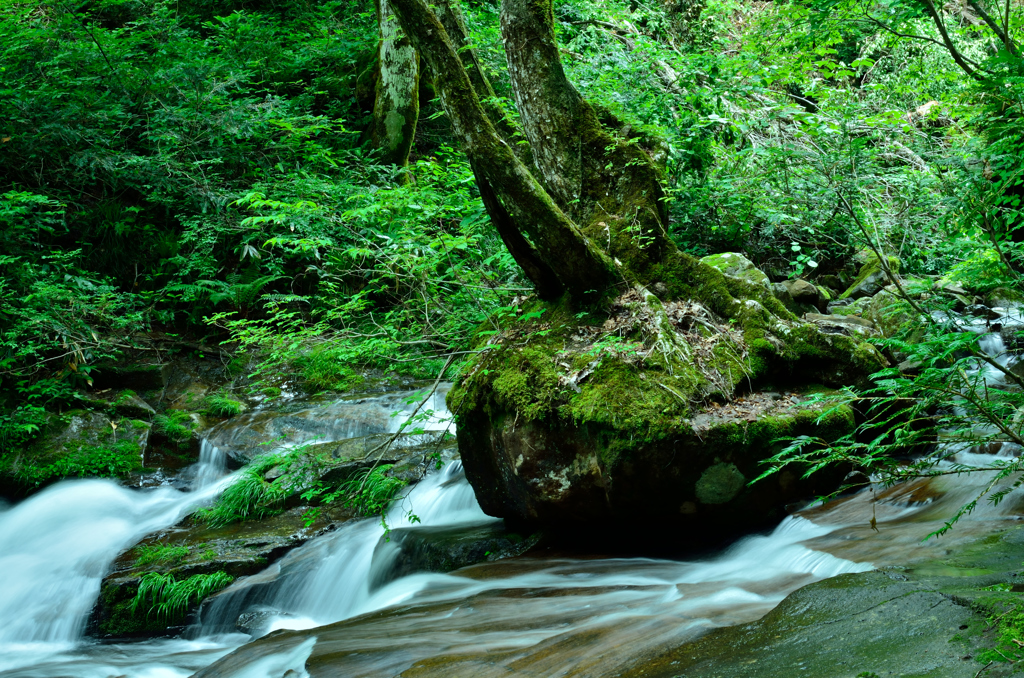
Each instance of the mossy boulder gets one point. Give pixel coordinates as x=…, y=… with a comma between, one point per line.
x=737, y=266
x=575, y=418
x=871, y=278
x=890, y=314
x=77, y=444
x=185, y=551
x=1004, y=297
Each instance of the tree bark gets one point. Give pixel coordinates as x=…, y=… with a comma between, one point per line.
x=608, y=184
x=397, y=104
x=577, y=263
x=549, y=106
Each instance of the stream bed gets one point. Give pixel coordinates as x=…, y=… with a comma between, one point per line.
x=341, y=602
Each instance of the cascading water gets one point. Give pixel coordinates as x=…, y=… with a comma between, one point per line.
x=56, y=546
x=331, y=578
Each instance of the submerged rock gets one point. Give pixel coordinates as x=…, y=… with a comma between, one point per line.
x=444, y=549
x=930, y=619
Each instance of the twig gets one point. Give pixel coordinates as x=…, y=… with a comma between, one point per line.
x=383, y=447
x=983, y=668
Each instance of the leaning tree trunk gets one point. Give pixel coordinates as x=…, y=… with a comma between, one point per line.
x=396, y=107
x=579, y=265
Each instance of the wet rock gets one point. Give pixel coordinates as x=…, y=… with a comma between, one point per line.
x=255, y=622
x=444, y=549
x=321, y=422
x=192, y=548
x=1004, y=297
x=855, y=624
x=931, y=618
x=738, y=266
x=79, y=443
x=982, y=311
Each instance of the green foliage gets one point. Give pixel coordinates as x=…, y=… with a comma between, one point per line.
x=371, y=492
x=167, y=598
x=251, y=496
x=1007, y=618
x=224, y=406
x=943, y=407
x=177, y=425
x=325, y=368
x=114, y=460
x=160, y=554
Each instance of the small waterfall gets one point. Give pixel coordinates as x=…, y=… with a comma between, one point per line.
x=332, y=578
x=56, y=546
x=212, y=466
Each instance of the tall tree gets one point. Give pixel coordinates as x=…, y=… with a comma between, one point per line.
x=588, y=210
x=396, y=104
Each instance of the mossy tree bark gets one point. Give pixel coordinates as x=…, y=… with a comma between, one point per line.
x=589, y=212
x=577, y=263
x=396, y=105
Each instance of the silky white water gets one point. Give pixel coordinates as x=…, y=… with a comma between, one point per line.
x=56, y=547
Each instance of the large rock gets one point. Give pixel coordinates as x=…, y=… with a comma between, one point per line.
x=871, y=278
x=636, y=419
x=77, y=444
x=737, y=266
x=934, y=618
x=191, y=549
x=444, y=549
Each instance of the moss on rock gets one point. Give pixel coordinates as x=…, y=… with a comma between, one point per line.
x=562, y=419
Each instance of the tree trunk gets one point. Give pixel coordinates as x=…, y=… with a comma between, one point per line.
x=608, y=184
x=577, y=263
x=550, y=108
x=396, y=106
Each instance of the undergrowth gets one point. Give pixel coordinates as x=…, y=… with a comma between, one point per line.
x=223, y=406
x=167, y=598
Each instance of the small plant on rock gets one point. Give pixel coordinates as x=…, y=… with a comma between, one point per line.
x=169, y=599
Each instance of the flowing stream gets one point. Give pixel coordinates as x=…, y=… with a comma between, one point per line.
x=555, y=614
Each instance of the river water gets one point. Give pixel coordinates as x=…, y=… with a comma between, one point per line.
x=555, y=615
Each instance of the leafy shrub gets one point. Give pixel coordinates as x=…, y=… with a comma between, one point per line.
x=372, y=492
x=169, y=599
x=325, y=369
x=116, y=460
x=250, y=496
x=177, y=425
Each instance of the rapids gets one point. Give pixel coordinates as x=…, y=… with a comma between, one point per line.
x=558, y=615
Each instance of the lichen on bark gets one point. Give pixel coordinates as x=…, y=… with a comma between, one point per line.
x=396, y=105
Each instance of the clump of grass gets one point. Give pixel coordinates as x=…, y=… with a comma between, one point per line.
x=372, y=492
x=223, y=406
x=177, y=425
x=250, y=497
x=169, y=599
x=326, y=369
x=160, y=553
